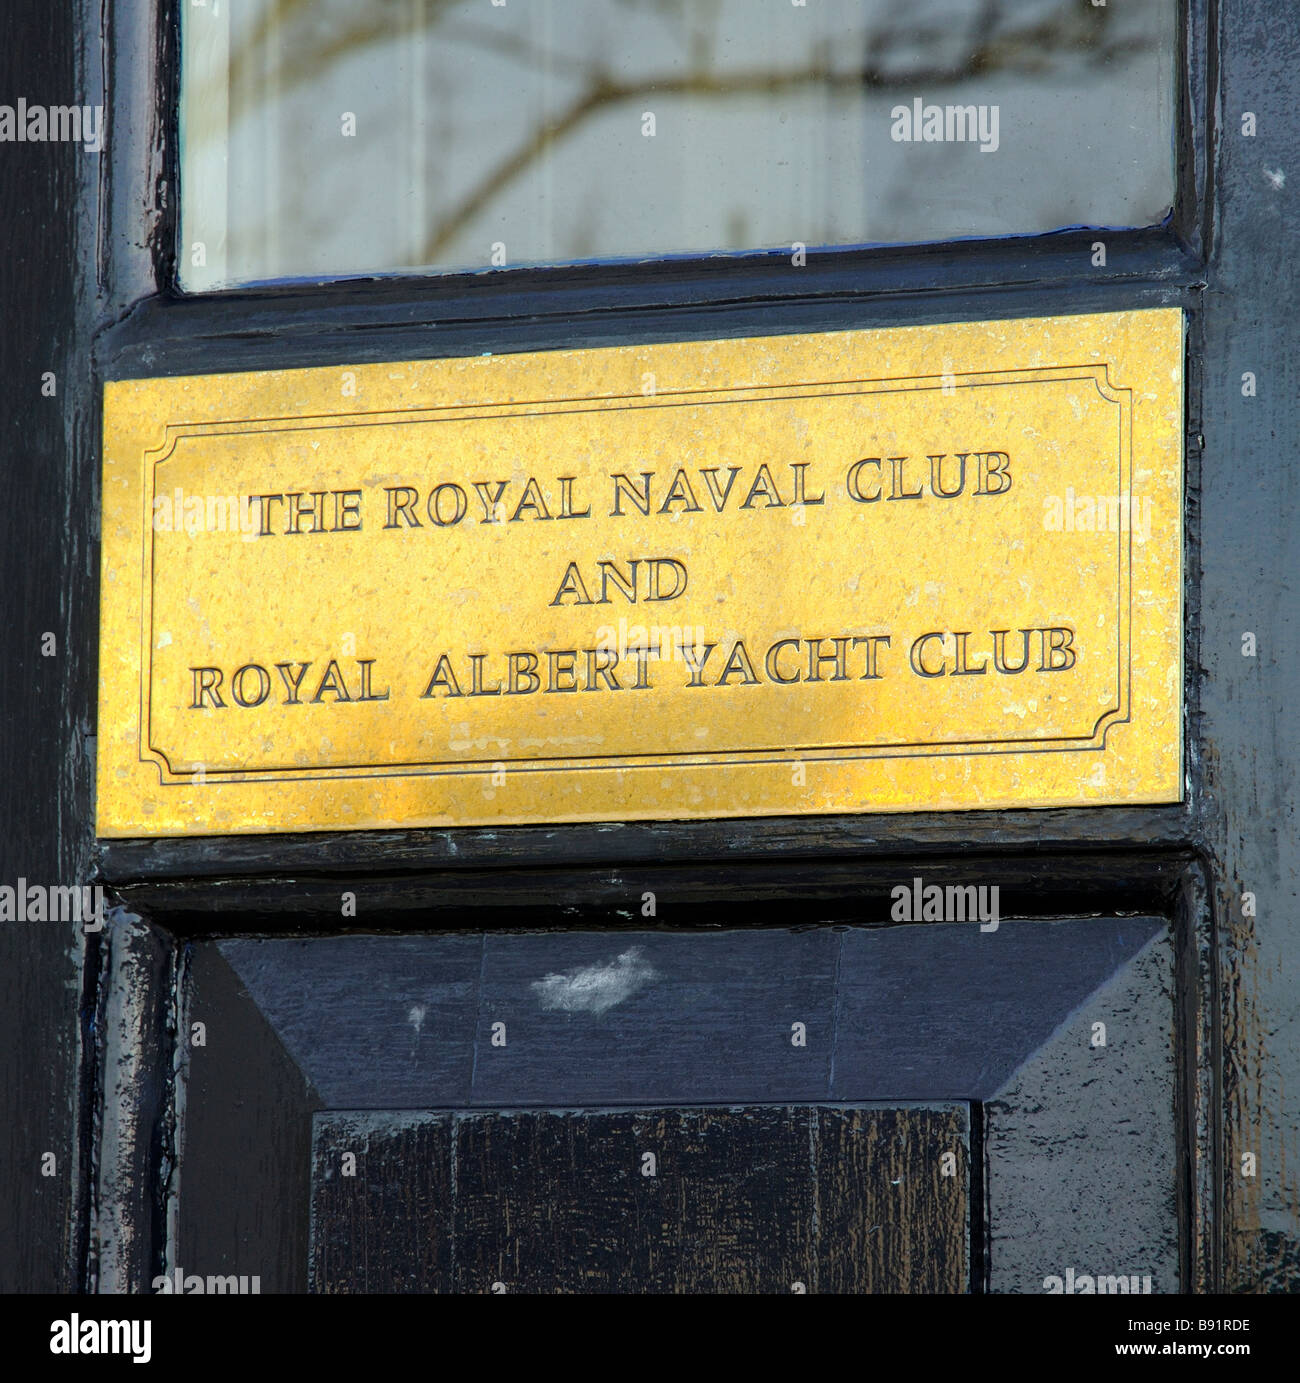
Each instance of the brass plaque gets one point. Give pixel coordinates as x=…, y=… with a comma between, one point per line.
x=920, y=568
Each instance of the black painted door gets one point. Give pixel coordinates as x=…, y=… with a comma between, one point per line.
x=1104, y=1098
x=721, y=1110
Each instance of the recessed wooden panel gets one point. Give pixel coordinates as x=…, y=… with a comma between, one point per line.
x=381, y=1206
x=917, y=568
x=712, y=1200
x=560, y=1202
x=889, y=1219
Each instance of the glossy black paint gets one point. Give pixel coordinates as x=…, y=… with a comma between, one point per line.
x=86, y=282
x=757, y=1199
x=710, y=1021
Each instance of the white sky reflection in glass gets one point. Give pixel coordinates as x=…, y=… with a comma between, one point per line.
x=330, y=138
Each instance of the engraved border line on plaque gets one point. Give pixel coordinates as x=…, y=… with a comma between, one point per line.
x=1098, y=375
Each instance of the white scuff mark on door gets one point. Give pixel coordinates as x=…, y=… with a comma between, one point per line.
x=596, y=988
x=416, y=1017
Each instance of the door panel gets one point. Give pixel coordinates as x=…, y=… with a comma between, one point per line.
x=212, y=1167
x=478, y=1107
x=758, y=1199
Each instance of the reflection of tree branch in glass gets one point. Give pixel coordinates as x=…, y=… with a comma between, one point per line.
x=638, y=128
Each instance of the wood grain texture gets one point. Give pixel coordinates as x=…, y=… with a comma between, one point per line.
x=760, y=1199
x=385, y=1224
x=885, y=1205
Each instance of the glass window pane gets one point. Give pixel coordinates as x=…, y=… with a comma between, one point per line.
x=334, y=137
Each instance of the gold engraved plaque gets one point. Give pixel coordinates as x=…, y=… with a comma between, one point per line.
x=919, y=568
